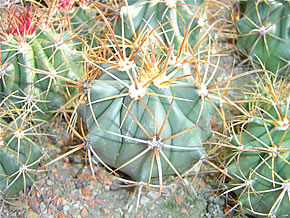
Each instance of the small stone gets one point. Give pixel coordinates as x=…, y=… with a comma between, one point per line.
x=84, y=212
x=92, y=203
x=65, y=165
x=92, y=182
x=49, y=182
x=47, y=216
x=75, y=192
x=152, y=194
x=86, y=191
x=105, y=210
x=76, y=206
x=74, y=212
x=60, y=215
x=56, y=199
x=87, y=198
x=98, y=201
x=178, y=199
x=42, y=206
x=65, y=208
x=202, y=185
x=63, y=201
x=144, y=200
x=183, y=211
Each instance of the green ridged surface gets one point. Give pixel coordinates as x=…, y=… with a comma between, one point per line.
x=115, y=150
x=275, y=17
x=255, y=164
x=24, y=69
x=170, y=23
x=15, y=152
x=83, y=21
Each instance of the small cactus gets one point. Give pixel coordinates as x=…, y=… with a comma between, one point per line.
x=259, y=168
x=19, y=153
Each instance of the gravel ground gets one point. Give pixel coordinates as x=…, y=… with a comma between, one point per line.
x=67, y=188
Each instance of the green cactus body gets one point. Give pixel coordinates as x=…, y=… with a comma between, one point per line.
x=81, y=20
x=19, y=156
x=110, y=112
x=85, y=21
x=26, y=65
x=170, y=20
x=261, y=167
x=264, y=34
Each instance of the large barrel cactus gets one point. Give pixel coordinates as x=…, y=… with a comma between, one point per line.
x=263, y=33
x=118, y=137
x=148, y=114
x=147, y=120
x=37, y=64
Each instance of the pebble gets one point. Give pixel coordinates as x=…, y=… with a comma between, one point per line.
x=76, y=206
x=84, y=212
x=75, y=192
x=152, y=194
x=144, y=200
x=74, y=211
x=47, y=216
x=65, y=208
x=86, y=191
x=42, y=207
x=49, y=182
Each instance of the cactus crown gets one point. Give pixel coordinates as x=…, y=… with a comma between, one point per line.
x=19, y=22
x=67, y=4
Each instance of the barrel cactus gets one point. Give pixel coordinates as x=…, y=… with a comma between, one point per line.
x=181, y=22
x=263, y=34
x=259, y=168
x=148, y=118
x=20, y=153
x=37, y=64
